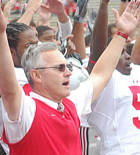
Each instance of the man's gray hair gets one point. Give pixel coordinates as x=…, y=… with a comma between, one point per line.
x=32, y=57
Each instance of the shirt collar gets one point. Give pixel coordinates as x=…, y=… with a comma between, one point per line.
x=45, y=100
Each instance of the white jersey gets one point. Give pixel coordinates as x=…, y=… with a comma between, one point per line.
x=16, y=130
x=116, y=115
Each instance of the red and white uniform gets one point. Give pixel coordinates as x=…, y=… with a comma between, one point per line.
x=116, y=115
x=18, y=132
x=51, y=133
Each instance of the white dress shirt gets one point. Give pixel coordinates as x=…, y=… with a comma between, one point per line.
x=16, y=130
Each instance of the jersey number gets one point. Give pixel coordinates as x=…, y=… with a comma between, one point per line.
x=136, y=103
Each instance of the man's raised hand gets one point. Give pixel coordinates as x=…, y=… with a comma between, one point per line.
x=130, y=18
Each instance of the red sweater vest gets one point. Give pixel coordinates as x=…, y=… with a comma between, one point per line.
x=51, y=133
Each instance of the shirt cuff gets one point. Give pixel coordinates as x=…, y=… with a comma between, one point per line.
x=65, y=28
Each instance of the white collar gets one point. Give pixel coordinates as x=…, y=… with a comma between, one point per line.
x=45, y=100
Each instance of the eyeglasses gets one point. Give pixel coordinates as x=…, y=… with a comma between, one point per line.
x=60, y=67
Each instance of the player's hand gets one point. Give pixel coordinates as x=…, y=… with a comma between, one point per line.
x=130, y=18
x=56, y=6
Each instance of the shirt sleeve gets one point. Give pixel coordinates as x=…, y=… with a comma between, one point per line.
x=16, y=130
x=82, y=98
x=65, y=29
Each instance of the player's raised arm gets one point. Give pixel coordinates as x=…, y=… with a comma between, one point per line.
x=9, y=88
x=126, y=24
x=99, y=34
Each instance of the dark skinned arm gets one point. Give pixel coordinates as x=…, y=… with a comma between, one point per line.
x=99, y=35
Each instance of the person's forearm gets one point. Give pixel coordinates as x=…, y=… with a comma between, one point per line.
x=7, y=69
x=104, y=67
x=9, y=87
x=78, y=39
x=27, y=17
x=99, y=35
x=108, y=60
x=31, y=8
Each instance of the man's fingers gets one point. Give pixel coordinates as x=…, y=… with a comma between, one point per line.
x=137, y=11
x=116, y=14
x=129, y=7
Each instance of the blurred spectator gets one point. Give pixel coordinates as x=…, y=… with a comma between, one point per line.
x=46, y=34
x=17, y=7
x=70, y=7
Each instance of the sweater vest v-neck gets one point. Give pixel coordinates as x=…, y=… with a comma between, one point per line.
x=51, y=133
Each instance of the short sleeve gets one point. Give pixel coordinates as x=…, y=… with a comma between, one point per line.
x=16, y=130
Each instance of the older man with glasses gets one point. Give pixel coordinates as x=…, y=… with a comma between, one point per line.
x=35, y=124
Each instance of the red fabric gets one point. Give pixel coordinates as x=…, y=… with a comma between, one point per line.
x=27, y=89
x=71, y=7
x=52, y=132
x=84, y=140
x=17, y=6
